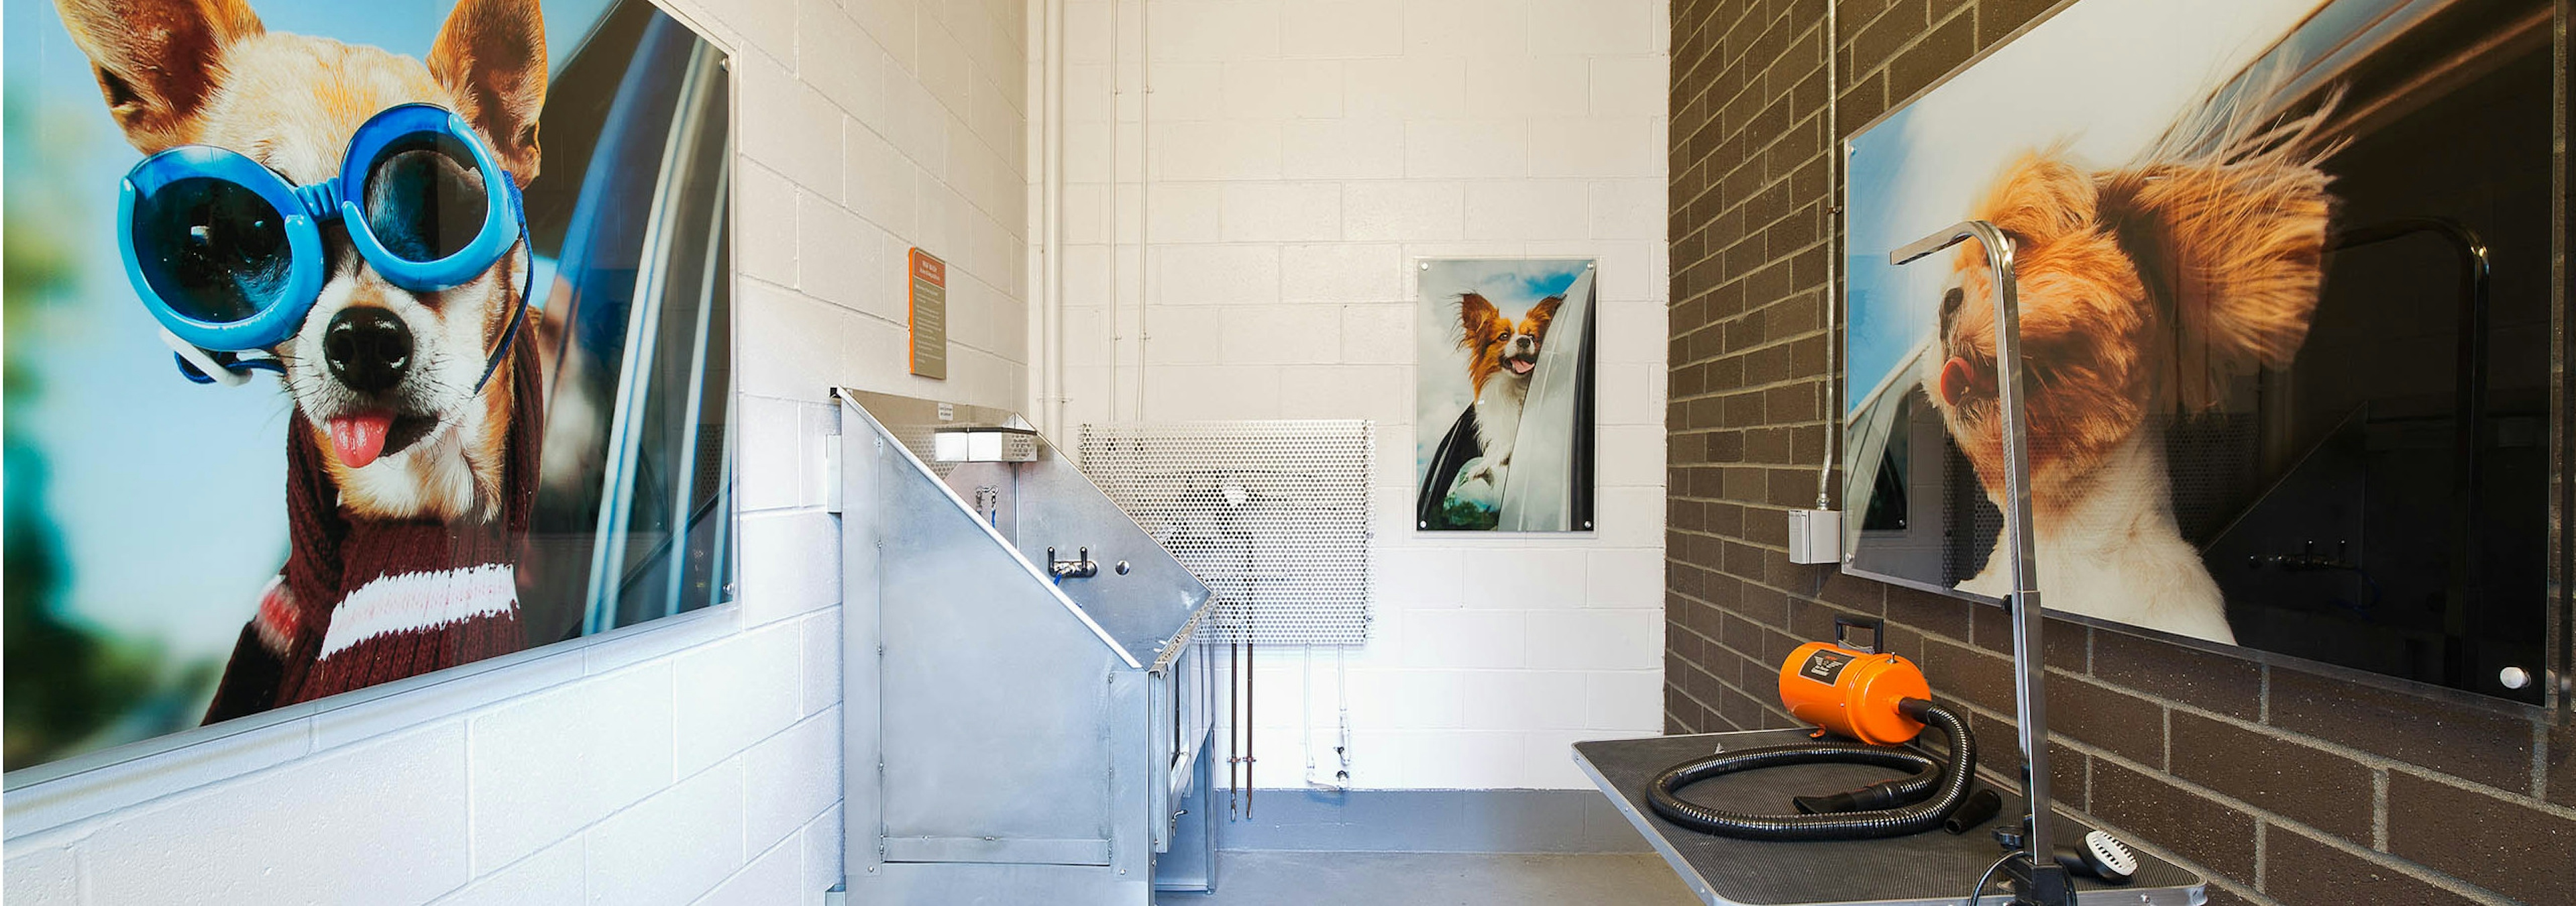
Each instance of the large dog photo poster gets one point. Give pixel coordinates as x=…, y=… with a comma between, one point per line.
x=350, y=342
x=1503, y=388
x=2285, y=307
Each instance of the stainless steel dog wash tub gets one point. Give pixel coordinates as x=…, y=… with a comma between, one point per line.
x=1025, y=713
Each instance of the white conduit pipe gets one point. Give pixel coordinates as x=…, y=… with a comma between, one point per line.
x=1833, y=245
x=1342, y=700
x=1117, y=249
x=1144, y=199
x=1051, y=191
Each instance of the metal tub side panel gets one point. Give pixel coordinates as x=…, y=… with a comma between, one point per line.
x=993, y=700
x=1131, y=777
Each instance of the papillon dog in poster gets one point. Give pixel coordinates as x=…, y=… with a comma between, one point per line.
x=1501, y=354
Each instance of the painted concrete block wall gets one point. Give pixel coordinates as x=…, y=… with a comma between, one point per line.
x=1267, y=206
x=695, y=760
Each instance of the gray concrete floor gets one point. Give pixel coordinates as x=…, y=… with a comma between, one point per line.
x=1268, y=878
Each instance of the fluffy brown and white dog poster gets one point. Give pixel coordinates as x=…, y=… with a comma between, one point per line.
x=1504, y=390
x=350, y=342
x=2282, y=278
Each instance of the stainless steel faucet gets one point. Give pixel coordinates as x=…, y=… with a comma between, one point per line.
x=1080, y=567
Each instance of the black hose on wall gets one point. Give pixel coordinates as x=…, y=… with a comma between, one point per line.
x=1917, y=803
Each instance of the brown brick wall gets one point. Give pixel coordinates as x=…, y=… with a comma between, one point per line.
x=2284, y=786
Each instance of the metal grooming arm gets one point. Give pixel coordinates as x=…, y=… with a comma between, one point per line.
x=2040, y=880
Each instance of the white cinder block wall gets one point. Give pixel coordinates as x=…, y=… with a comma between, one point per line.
x=1299, y=155
x=695, y=761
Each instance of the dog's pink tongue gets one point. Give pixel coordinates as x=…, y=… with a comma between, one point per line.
x=359, y=438
x=1523, y=366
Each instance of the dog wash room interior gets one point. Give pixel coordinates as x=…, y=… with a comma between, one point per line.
x=1286, y=452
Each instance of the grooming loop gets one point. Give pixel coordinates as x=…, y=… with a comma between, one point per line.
x=2040, y=880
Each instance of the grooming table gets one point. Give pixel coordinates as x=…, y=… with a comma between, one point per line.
x=1933, y=868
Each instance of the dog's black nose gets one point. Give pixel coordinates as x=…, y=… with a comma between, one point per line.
x=368, y=349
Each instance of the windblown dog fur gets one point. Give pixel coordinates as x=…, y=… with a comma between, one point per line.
x=2143, y=289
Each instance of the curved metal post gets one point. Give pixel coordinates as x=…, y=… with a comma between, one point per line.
x=2029, y=668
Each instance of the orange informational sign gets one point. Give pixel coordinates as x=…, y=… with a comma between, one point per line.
x=929, y=316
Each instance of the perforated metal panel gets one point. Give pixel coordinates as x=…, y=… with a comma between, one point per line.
x=1272, y=515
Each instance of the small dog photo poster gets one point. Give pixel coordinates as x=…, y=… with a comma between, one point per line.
x=1503, y=440
x=349, y=342
x=2286, y=308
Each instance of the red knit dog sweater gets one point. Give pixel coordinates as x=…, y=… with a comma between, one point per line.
x=368, y=601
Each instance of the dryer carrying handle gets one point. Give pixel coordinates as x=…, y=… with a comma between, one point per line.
x=1877, y=627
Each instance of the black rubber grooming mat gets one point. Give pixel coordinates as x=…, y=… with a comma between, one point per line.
x=1935, y=867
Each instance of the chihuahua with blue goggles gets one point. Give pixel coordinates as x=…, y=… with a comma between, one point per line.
x=228, y=255
x=349, y=219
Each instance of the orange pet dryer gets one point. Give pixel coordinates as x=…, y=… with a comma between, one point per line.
x=1853, y=692
x=1876, y=703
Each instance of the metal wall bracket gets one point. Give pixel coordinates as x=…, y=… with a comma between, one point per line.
x=832, y=473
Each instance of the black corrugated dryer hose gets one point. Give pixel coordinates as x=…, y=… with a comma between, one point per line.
x=1894, y=808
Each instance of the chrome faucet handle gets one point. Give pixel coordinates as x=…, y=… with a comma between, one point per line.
x=1080, y=567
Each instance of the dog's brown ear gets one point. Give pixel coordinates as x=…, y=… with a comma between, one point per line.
x=2235, y=249
x=157, y=61
x=1545, y=311
x=492, y=54
x=1475, y=317
x=2039, y=200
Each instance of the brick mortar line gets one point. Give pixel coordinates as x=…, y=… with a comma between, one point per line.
x=2367, y=759
x=1743, y=58
x=2379, y=810
x=1798, y=120
x=1764, y=387
x=1765, y=185
x=1739, y=388
x=1783, y=258
x=1842, y=46
x=1934, y=25
x=1743, y=17
x=1693, y=699
x=1893, y=103
x=2384, y=859
x=1740, y=317
x=2540, y=760
x=2263, y=818
x=1762, y=75
x=1717, y=112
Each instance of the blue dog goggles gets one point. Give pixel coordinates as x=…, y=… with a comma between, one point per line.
x=228, y=255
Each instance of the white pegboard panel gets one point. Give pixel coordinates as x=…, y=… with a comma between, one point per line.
x=1272, y=515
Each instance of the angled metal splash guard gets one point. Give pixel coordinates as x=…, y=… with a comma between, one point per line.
x=2039, y=878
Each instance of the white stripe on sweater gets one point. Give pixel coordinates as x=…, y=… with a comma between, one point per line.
x=428, y=600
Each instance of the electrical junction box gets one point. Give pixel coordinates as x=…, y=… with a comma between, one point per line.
x=1815, y=536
